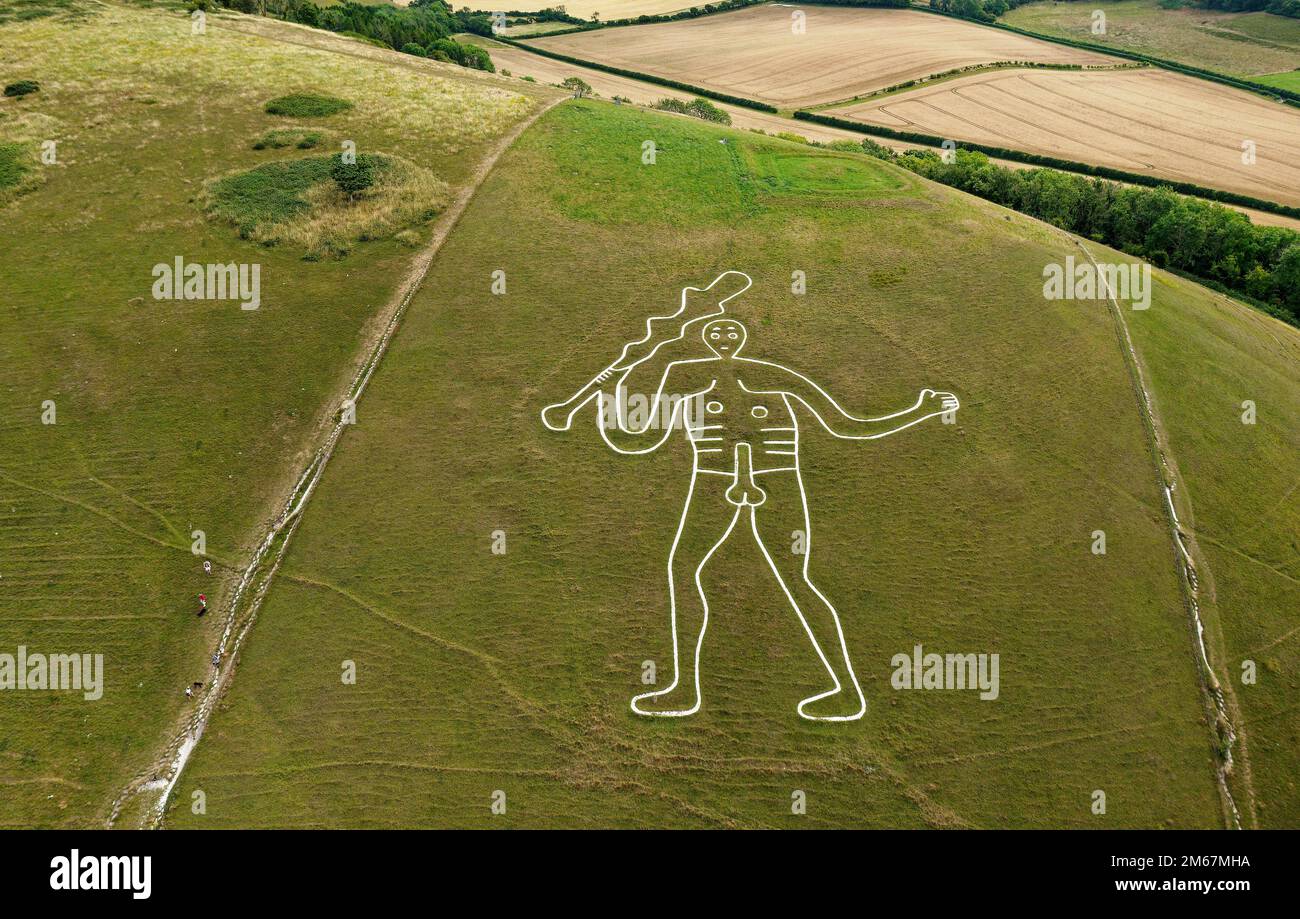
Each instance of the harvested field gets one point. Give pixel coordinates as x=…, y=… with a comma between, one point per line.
x=844, y=52
x=585, y=9
x=1145, y=121
x=608, y=85
x=1243, y=44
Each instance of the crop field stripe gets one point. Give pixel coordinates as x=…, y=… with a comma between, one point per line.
x=1185, y=567
x=256, y=582
x=1219, y=195
x=749, y=51
x=1290, y=97
x=935, y=79
x=646, y=77
x=1052, y=106
x=1263, y=89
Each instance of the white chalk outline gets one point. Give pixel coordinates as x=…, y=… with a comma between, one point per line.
x=595, y=389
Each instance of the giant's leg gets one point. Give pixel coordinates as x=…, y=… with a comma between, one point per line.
x=706, y=522
x=773, y=523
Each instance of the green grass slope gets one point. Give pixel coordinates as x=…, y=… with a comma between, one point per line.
x=171, y=416
x=1240, y=501
x=479, y=672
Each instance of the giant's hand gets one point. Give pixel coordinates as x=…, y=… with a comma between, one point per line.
x=938, y=403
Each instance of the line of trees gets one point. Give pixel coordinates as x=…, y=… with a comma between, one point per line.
x=988, y=10
x=1208, y=241
x=1279, y=7
x=423, y=29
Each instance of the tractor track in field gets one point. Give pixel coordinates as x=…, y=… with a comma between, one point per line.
x=240, y=612
x=1215, y=694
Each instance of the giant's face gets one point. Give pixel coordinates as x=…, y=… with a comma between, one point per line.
x=725, y=337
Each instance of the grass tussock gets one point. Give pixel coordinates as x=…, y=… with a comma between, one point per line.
x=297, y=203
x=24, y=10
x=288, y=137
x=21, y=170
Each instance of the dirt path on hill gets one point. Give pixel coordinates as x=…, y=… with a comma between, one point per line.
x=1221, y=706
x=156, y=784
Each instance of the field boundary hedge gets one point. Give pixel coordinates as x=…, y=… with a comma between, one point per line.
x=1034, y=159
x=643, y=77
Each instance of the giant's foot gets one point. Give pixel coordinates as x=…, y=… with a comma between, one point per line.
x=843, y=704
x=677, y=701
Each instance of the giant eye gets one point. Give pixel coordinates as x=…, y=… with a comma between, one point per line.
x=714, y=335
x=733, y=335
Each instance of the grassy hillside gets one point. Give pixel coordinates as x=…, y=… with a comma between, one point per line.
x=1240, y=44
x=479, y=672
x=173, y=416
x=1205, y=356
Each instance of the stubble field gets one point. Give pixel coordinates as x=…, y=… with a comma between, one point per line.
x=754, y=52
x=1143, y=121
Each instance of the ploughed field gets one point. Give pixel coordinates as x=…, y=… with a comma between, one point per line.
x=1240, y=44
x=608, y=85
x=1144, y=121
x=842, y=52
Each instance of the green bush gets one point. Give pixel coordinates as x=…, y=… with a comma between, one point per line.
x=307, y=105
x=879, y=151
x=355, y=177
x=22, y=88
x=412, y=48
x=696, y=108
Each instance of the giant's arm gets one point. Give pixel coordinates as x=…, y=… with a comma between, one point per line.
x=766, y=377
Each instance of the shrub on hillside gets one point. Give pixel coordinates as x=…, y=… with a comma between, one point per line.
x=307, y=105
x=291, y=137
x=22, y=88
x=466, y=55
x=301, y=202
x=879, y=151
x=353, y=177
x=578, y=86
x=696, y=108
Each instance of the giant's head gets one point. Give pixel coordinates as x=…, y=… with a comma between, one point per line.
x=725, y=337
